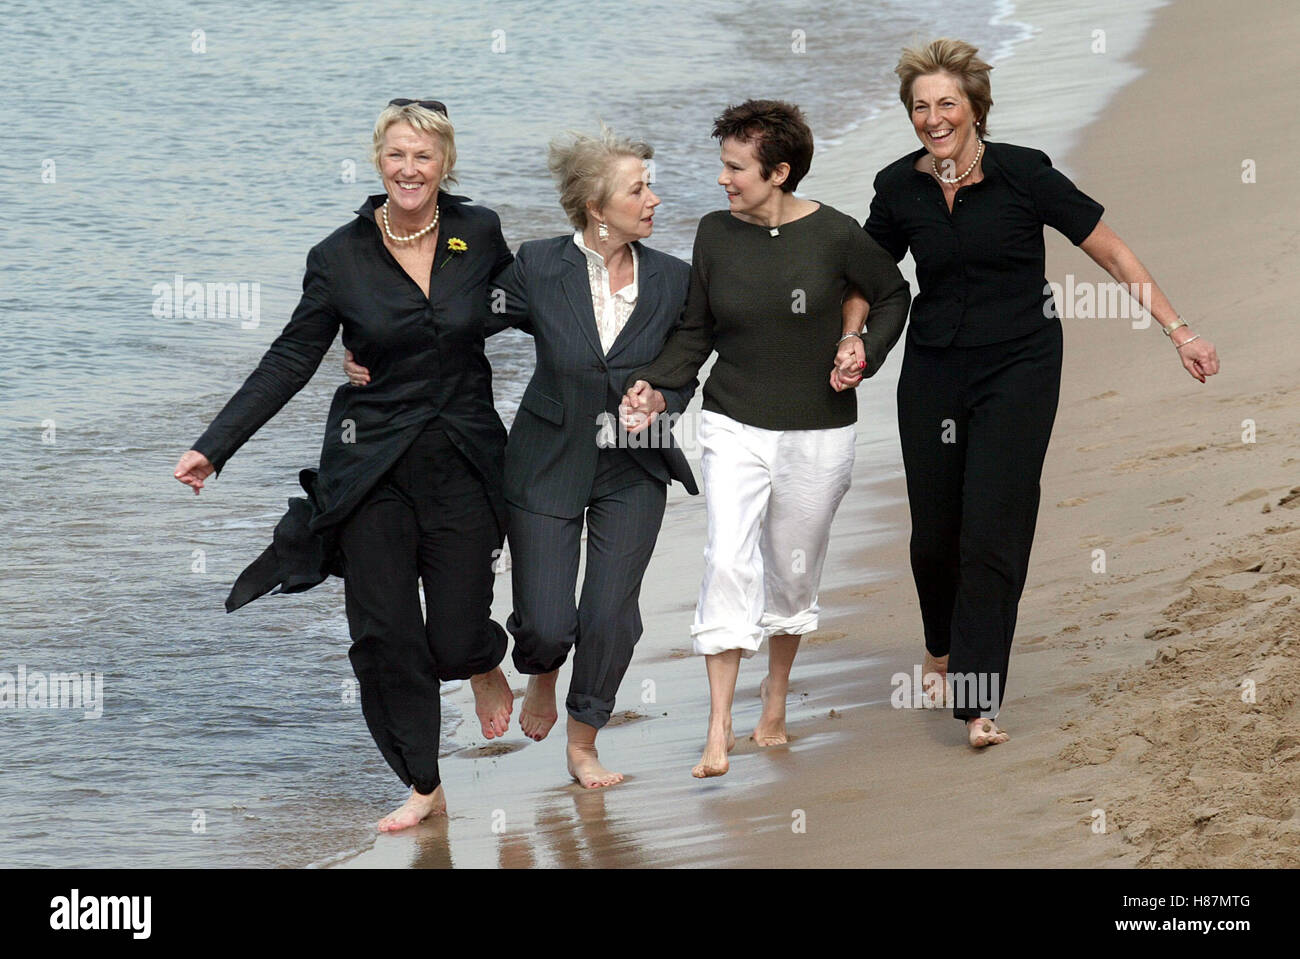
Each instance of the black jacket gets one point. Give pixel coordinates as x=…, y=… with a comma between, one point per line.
x=981, y=266
x=426, y=362
x=576, y=386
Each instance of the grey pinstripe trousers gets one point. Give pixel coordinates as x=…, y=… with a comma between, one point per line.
x=623, y=518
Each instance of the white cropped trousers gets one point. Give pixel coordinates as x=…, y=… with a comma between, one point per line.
x=770, y=497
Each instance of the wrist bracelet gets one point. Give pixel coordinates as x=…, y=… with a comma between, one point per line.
x=1194, y=336
x=847, y=335
x=1169, y=330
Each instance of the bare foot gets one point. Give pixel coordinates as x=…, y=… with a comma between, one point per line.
x=720, y=742
x=585, y=767
x=538, y=713
x=415, y=810
x=493, y=701
x=984, y=732
x=934, y=674
x=770, y=729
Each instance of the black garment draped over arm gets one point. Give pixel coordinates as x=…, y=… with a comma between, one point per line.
x=981, y=267
x=426, y=362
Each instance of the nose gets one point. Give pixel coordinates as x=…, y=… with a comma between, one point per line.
x=653, y=200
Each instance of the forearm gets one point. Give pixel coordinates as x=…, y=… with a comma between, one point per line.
x=888, y=316
x=854, y=312
x=678, y=364
x=675, y=401
x=265, y=392
x=1113, y=255
x=1127, y=269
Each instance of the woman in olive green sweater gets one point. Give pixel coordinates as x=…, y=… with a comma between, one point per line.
x=768, y=281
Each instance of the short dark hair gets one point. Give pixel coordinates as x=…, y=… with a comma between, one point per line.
x=779, y=132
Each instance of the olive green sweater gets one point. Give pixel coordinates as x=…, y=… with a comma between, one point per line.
x=771, y=307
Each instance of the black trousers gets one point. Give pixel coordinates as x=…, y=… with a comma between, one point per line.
x=975, y=424
x=623, y=518
x=427, y=522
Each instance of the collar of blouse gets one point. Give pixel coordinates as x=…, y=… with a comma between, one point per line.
x=627, y=293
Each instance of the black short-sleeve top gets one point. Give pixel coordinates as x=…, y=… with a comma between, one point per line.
x=980, y=268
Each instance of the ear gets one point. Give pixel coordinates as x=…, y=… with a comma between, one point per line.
x=779, y=173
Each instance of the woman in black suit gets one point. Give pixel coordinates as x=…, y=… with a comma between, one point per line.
x=981, y=373
x=409, y=487
x=599, y=304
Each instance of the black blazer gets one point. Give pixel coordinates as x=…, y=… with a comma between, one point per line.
x=576, y=387
x=426, y=363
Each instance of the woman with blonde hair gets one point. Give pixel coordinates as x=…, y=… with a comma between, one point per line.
x=409, y=488
x=981, y=373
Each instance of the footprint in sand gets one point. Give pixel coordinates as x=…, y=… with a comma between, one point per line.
x=1168, y=502
x=1291, y=500
x=1247, y=496
x=490, y=750
x=625, y=717
x=1161, y=632
x=1154, y=533
x=1072, y=501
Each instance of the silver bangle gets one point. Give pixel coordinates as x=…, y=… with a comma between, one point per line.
x=1194, y=336
x=846, y=336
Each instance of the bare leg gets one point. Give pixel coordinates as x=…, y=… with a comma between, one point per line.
x=493, y=701
x=416, y=809
x=770, y=730
x=538, y=713
x=984, y=732
x=723, y=669
x=584, y=764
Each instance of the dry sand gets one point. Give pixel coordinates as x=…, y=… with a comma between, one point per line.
x=1129, y=688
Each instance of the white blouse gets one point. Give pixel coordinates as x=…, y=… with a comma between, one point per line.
x=611, y=309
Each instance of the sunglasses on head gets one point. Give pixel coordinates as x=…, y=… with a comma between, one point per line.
x=437, y=106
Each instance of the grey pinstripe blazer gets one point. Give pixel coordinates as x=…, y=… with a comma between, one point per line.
x=574, y=394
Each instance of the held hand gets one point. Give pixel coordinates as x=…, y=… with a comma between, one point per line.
x=1199, y=357
x=641, y=406
x=641, y=397
x=357, y=374
x=193, y=469
x=850, y=365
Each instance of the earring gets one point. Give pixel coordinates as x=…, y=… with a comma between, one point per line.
x=603, y=232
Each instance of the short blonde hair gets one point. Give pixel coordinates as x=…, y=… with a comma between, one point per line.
x=583, y=166
x=957, y=59
x=425, y=121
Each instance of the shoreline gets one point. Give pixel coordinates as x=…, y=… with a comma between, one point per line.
x=1124, y=702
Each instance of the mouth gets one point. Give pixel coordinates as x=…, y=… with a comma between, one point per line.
x=939, y=136
x=407, y=186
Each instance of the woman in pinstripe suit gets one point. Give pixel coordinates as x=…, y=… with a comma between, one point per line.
x=599, y=304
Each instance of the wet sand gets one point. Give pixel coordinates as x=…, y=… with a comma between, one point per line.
x=1128, y=701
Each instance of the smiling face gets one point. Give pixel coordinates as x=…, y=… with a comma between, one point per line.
x=942, y=117
x=742, y=176
x=629, y=213
x=411, y=165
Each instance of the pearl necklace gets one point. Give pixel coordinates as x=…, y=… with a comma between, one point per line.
x=383, y=210
x=943, y=179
